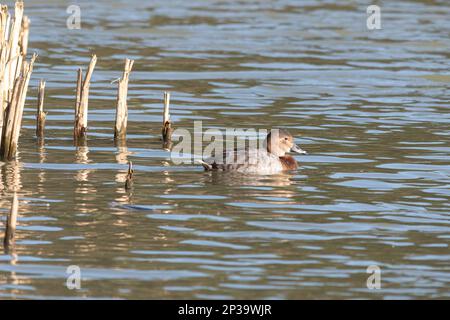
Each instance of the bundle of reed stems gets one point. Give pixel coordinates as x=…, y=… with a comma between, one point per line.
x=15, y=74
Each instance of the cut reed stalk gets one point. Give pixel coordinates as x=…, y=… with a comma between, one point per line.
x=120, y=128
x=82, y=101
x=15, y=74
x=129, y=181
x=24, y=33
x=167, y=129
x=41, y=115
x=11, y=222
x=14, y=111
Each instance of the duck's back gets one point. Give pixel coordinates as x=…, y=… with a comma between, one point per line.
x=257, y=161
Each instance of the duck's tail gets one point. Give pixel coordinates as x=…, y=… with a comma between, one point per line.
x=205, y=165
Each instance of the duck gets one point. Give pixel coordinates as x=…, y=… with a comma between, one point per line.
x=272, y=158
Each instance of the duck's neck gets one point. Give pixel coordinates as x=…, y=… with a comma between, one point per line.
x=274, y=150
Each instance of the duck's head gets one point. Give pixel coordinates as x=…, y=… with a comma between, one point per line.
x=279, y=142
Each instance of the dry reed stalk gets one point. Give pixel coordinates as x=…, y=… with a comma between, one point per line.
x=79, y=84
x=13, y=113
x=41, y=115
x=24, y=33
x=129, y=181
x=167, y=129
x=14, y=56
x=11, y=223
x=120, y=128
x=4, y=28
x=82, y=101
x=15, y=74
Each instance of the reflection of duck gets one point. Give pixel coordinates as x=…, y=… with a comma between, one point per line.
x=268, y=160
x=234, y=178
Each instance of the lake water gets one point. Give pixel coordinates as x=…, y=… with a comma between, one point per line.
x=370, y=106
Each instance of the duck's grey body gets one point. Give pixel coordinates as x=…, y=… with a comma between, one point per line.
x=246, y=161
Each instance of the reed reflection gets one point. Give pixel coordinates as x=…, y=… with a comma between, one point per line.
x=85, y=191
x=9, y=247
x=122, y=159
x=42, y=159
x=167, y=179
x=81, y=157
x=11, y=177
x=124, y=188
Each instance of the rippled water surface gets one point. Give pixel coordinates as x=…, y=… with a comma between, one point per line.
x=371, y=107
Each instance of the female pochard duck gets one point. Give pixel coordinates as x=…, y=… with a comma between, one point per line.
x=271, y=159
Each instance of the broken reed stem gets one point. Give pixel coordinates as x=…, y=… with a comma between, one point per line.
x=82, y=101
x=15, y=74
x=120, y=128
x=24, y=33
x=4, y=27
x=11, y=222
x=167, y=129
x=129, y=181
x=14, y=111
x=41, y=115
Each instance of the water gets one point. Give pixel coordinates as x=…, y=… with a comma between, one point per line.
x=371, y=107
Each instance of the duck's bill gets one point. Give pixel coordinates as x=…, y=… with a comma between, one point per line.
x=298, y=150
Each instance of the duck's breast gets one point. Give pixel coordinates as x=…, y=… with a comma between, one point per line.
x=288, y=163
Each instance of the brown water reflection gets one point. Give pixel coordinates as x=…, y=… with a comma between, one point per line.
x=371, y=108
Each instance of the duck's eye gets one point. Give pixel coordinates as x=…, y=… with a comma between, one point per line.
x=286, y=139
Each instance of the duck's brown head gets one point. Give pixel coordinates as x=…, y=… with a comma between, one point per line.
x=280, y=141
